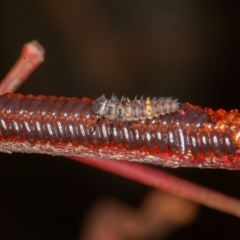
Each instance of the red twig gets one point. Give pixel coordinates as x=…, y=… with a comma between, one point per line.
x=160, y=180
x=32, y=55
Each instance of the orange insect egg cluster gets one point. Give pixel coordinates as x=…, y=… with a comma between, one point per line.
x=187, y=131
x=230, y=121
x=191, y=131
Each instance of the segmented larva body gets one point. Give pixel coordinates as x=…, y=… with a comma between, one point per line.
x=190, y=131
x=125, y=110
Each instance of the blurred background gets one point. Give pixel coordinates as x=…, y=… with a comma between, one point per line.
x=188, y=50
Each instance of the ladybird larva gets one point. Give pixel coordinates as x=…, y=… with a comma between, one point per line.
x=125, y=110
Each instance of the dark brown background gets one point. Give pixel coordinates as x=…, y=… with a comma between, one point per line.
x=186, y=49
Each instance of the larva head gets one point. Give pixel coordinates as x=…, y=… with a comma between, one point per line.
x=99, y=105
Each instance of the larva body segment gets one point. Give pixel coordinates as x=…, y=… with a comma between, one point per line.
x=125, y=110
x=70, y=122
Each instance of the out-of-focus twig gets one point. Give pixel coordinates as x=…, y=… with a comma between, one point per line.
x=31, y=57
x=158, y=216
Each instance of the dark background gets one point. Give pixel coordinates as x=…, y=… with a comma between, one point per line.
x=186, y=49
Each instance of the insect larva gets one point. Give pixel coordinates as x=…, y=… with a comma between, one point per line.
x=191, y=131
x=125, y=110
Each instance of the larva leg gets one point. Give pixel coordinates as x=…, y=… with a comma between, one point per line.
x=97, y=123
x=111, y=132
x=130, y=126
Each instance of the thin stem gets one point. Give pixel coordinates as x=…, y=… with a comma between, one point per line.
x=31, y=57
x=161, y=180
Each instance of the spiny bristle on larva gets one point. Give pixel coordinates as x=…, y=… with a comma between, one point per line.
x=125, y=110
